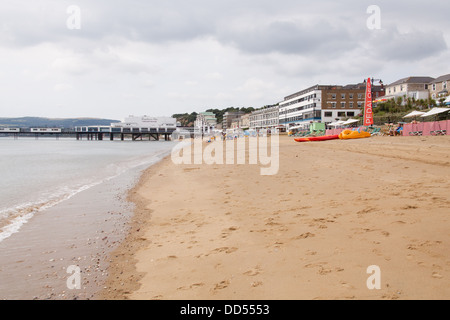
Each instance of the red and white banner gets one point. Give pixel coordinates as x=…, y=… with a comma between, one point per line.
x=368, y=115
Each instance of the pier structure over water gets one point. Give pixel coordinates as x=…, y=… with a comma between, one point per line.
x=134, y=128
x=112, y=133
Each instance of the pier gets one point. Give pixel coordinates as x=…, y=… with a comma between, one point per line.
x=112, y=133
x=94, y=133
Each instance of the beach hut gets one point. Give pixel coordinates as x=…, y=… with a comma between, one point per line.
x=415, y=126
x=436, y=125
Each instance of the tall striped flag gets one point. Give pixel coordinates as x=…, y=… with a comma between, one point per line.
x=368, y=115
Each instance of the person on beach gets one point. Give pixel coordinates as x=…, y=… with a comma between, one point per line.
x=399, y=130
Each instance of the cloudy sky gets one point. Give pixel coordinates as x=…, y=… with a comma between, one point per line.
x=110, y=58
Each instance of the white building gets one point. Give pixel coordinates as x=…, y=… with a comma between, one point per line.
x=146, y=122
x=206, y=122
x=410, y=87
x=265, y=118
x=301, y=108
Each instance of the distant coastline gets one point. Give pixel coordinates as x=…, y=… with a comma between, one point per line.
x=26, y=122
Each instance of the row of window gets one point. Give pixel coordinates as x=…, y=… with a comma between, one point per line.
x=344, y=104
x=433, y=87
x=343, y=95
x=308, y=106
x=311, y=96
x=305, y=116
x=264, y=123
x=329, y=114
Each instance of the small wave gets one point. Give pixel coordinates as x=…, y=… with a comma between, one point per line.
x=12, y=219
x=15, y=218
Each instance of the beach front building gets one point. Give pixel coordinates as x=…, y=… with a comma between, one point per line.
x=265, y=118
x=439, y=87
x=302, y=107
x=146, y=122
x=229, y=117
x=324, y=103
x=206, y=122
x=410, y=87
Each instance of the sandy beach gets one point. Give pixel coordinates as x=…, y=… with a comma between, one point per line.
x=309, y=232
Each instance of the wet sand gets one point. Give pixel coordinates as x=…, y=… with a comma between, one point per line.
x=309, y=232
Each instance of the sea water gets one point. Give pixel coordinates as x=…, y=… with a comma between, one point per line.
x=63, y=204
x=36, y=174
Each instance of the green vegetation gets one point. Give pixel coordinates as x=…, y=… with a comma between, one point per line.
x=393, y=110
x=188, y=119
x=219, y=113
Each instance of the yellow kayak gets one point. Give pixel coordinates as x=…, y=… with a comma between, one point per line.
x=350, y=134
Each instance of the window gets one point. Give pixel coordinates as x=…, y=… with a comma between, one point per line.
x=328, y=114
x=350, y=114
x=341, y=114
x=350, y=105
x=434, y=86
x=333, y=105
x=360, y=104
x=343, y=96
x=444, y=85
x=360, y=95
x=342, y=104
x=333, y=96
x=350, y=96
x=426, y=87
x=401, y=88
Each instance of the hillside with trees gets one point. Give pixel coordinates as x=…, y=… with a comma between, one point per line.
x=188, y=119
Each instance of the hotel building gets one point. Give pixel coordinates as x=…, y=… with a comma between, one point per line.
x=265, y=118
x=410, y=87
x=324, y=103
x=206, y=122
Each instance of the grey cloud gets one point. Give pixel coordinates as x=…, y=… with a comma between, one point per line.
x=410, y=46
x=291, y=37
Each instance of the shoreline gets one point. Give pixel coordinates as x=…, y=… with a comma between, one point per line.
x=122, y=261
x=307, y=238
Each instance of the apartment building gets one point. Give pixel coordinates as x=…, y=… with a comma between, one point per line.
x=265, y=118
x=439, y=87
x=206, y=122
x=229, y=117
x=325, y=103
x=301, y=107
x=410, y=87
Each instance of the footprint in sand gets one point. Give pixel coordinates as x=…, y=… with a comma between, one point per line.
x=226, y=232
x=253, y=272
x=221, y=285
x=192, y=286
x=305, y=235
x=227, y=250
x=257, y=284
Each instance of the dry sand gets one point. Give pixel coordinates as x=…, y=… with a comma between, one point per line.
x=310, y=232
